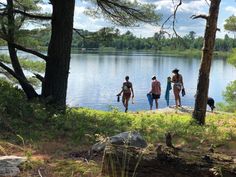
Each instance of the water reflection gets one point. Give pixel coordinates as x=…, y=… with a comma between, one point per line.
x=95, y=79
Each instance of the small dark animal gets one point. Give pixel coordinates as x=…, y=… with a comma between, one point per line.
x=169, y=140
x=211, y=103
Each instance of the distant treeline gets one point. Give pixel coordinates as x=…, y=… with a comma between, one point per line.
x=112, y=38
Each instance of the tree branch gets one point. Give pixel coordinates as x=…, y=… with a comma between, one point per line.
x=36, y=16
x=174, y=18
x=3, y=4
x=127, y=13
x=200, y=16
x=39, y=77
x=10, y=71
x=38, y=54
x=79, y=33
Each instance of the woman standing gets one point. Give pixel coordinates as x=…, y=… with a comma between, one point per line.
x=127, y=90
x=177, y=79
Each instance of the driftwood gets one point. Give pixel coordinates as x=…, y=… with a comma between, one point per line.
x=121, y=161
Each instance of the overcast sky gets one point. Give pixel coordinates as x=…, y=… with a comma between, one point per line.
x=184, y=23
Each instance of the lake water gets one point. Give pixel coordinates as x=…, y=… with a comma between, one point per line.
x=95, y=79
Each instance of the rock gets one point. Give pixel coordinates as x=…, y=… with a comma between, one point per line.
x=8, y=165
x=133, y=139
x=98, y=147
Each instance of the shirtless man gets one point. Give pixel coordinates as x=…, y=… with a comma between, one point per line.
x=177, y=80
x=155, y=91
x=127, y=90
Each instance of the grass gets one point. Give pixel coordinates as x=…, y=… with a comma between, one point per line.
x=81, y=125
x=26, y=64
x=49, y=136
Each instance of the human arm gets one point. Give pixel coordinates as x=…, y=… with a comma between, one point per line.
x=121, y=91
x=159, y=85
x=182, y=82
x=132, y=91
x=151, y=88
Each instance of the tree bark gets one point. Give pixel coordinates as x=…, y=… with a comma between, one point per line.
x=26, y=86
x=199, y=112
x=57, y=66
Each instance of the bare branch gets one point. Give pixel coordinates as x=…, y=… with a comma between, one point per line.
x=38, y=54
x=174, y=18
x=79, y=33
x=1, y=3
x=173, y=21
x=207, y=3
x=39, y=77
x=200, y=16
x=10, y=71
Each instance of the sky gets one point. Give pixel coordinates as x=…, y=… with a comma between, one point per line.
x=184, y=24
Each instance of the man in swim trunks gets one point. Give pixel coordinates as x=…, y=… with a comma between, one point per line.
x=155, y=91
x=127, y=90
x=177, y=80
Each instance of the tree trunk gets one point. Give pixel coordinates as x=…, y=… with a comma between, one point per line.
x=57, y=66
x=204, y=71
x=26, y=86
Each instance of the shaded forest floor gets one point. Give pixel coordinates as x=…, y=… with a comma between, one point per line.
x=61, y=157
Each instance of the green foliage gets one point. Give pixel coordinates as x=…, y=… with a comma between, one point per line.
x=230, y=93
x=232, y=57
x=230, y=97
x=19, y=116
x=30, y=65
x=230, y=23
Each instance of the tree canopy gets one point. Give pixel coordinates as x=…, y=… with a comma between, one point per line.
x=230, y=24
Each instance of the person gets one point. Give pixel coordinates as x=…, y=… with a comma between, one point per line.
x=178, y=85
x=168, y=88
x=155, y=91
x=127, y=90
x=211, y=103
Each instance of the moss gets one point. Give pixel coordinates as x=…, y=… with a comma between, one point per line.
x=65, y=168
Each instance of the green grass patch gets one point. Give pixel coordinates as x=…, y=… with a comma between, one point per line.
x=65, y=168
x=34, y=121
x=26, y=64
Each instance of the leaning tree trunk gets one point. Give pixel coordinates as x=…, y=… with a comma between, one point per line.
x=57, y=66
x=26, y=86
x=199, y=112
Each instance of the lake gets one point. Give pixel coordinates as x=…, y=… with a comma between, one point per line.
x=96, y=78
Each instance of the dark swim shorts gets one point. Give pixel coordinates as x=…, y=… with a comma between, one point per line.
x=155, y=96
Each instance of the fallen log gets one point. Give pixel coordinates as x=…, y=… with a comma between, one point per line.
x=125, y=161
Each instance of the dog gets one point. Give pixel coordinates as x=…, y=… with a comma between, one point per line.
x=211, y=103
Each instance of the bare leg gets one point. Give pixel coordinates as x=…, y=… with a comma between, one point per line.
x=156, y=101
x=126, y=104
x=180, y=101
x=176, y=97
